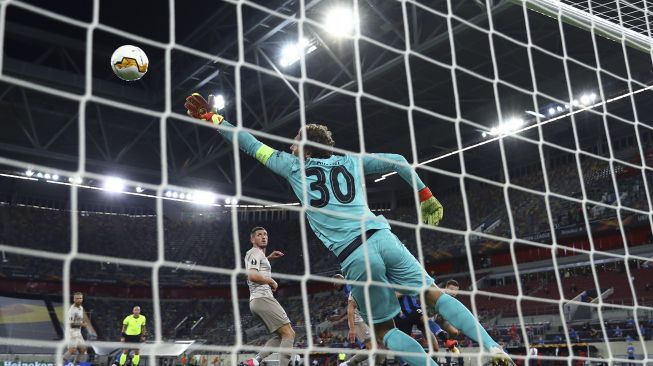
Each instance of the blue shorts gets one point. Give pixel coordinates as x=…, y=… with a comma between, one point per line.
x=390, y=262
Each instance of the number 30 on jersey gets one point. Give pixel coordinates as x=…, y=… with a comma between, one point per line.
x=321, y=185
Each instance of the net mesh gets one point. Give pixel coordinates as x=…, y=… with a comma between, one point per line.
x=534, y=211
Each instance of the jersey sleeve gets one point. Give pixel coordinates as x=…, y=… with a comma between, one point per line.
x=373, y=165
x=126, y=321
x=253, y=261
x=144, y=320
x=279, y=162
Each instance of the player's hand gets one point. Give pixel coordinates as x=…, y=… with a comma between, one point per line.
x=273, y=285
x=197, y=107
x=122, y=339
x=351, y=336
x=275, y=255
x=83, y=325
x=432, y=210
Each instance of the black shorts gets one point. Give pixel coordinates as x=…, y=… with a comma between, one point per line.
x=133, y=338
x=406, y=324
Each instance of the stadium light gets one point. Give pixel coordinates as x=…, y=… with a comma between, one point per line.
x=292, y=52
x=204, y=197
x=552, y=111
x=535, y=114
x=508, y=126
x=585, y=99
x=39, y=175
x=114, y=184
x=29, y=172
x=227, y=201
x=47, y=176
x=175, y=195
x=340, y=21
x=139, y=189
x=218, y=102
x=168, y=194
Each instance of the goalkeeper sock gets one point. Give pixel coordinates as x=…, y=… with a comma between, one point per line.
x=460, y=317
x=397, y=340
x=135, y=360
x=123, y=359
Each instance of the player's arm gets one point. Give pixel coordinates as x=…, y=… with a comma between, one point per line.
x=277, y=161
x=124, y=329
x=432, y=210
x=143, y=331
x=254, y=276
x=71, y=318
x=275, y=255
x=253, y=266
x=351, y=309
x=451, y=330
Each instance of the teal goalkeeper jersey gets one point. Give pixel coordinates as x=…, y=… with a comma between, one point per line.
x=335, y=198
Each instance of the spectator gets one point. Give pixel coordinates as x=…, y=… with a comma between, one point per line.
x=631, y=354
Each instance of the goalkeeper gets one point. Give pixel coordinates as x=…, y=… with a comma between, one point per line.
x=335, y=189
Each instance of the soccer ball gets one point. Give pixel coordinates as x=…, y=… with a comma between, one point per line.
x=129, y=62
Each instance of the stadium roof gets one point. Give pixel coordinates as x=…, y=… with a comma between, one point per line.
x=497, y=64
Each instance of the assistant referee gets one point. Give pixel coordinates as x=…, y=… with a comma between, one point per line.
x=133, y=331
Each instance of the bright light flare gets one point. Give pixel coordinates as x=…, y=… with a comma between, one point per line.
x=291, y=53
x=114, y=184
x=340, y=22
x=204, y=197
x=218, y=102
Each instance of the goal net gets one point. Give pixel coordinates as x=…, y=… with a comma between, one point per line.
x=529, y=121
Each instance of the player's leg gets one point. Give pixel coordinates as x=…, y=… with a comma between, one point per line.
x=384, y=305
x=362, y=333
x=123, y=357
x=420, y=325
x=278, y=324
x=137, y=357
x=451, y=330
x=404, y=269
x=287, y=335
x=273, y=342
x=459, y=316
x=69, y=354
x=80, y=345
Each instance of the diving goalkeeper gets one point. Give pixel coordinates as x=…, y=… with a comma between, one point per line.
x=334, y=187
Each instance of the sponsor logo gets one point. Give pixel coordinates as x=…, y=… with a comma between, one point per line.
x=36, y=363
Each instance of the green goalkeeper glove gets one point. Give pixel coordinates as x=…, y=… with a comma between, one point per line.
x=197, y=107
x=432, y=210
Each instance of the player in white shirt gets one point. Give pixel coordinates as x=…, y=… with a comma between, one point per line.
x=76, y=318
x=358, y=328
x=261, y=301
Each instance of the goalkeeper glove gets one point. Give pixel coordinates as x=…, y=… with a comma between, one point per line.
x=197, y=107
x=432, y=210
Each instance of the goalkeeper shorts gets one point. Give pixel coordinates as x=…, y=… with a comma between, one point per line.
x=390, y=263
